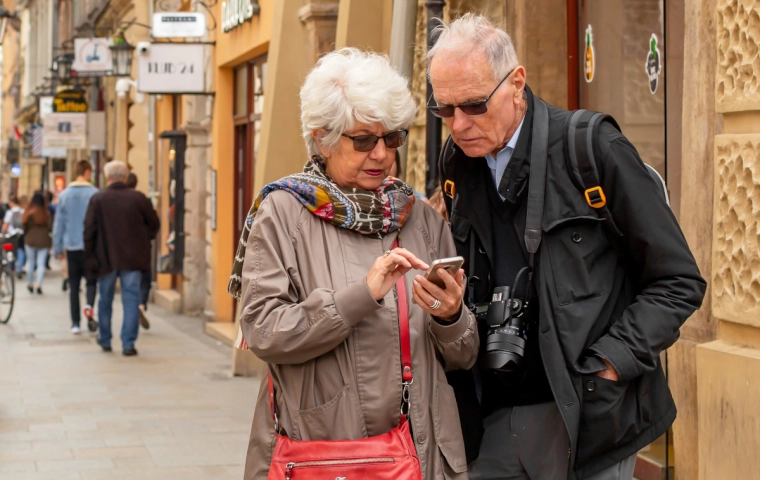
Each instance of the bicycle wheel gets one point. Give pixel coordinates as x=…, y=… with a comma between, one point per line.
x=7, y=294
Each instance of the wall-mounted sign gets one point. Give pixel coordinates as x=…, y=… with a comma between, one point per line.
x=235, y=12
x=92, y=56
x=654, y=65
x=65, y=130
x=589, y=64
x=70, y=101
x=171, y=68
x=178, y=24
x=46, y=108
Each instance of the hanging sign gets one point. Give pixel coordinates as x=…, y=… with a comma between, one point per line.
x=172, y=68
x=589, y=65
x=653, y=66
x=70, y=101
x=65, y=130
x=235, y=12
x=92, y=56
x=178, y=24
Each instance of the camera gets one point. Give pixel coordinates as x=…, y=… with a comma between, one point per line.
x=143, y=47
x=507, y=336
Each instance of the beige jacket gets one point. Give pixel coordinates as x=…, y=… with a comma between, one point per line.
x=333, y=351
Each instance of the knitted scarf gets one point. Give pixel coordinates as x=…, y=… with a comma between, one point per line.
x=374, y=213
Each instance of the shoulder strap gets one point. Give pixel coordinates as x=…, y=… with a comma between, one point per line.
x=537, y=180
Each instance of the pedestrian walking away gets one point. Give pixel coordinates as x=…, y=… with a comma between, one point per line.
x=37, y=224
x=13, y=227
x=146, y=278
x=119, y=226
x=68, y=243
x=576, y=261
x=315, y=271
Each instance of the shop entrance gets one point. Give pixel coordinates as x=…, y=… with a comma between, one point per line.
x=620, y=69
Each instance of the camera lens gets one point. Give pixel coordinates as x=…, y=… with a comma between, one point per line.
x=505, y=350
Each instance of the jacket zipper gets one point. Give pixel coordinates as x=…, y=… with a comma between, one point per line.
x=328, y=463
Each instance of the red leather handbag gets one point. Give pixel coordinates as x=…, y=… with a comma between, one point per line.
x=390, y=456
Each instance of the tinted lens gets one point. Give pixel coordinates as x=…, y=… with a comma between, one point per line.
x=365, y=143
x=442, y=112
x=395, y=139
x=474, y=108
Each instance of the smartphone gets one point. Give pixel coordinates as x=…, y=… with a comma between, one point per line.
x=451, y=265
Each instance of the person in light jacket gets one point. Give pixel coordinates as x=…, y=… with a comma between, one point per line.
x=316, y=269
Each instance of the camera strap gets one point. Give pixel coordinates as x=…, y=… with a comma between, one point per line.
x=537, y=181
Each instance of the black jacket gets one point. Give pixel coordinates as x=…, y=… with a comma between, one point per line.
x=624, y=301
x=118, y=228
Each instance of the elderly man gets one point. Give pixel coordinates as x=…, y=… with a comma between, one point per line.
x=569, y=382
x=119, y=226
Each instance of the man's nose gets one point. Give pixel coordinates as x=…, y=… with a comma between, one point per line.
x=461, y=121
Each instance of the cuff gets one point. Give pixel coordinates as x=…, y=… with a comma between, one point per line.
x=355, y=302
x=451, y=332
x=621, y=359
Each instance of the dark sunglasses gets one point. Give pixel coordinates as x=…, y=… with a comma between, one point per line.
x=367, y=143
x=474, y=108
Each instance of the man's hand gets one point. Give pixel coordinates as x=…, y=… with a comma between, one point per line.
x=59, y=256
x=609, y=374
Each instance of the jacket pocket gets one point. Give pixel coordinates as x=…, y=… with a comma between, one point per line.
x=338, y=419
x=610, y=416
x=582, y=260
x=446, y=427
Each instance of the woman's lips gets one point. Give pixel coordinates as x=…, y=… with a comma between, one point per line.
x=373, y=173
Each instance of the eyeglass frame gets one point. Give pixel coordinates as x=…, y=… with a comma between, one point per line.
x=437, y=108
x=354, y=137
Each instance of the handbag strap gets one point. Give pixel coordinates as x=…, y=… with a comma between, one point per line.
x=406, y=350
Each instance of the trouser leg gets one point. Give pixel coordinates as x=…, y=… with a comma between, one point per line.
x=20, y=259
x=619, y=471
x=498, y=457
x=542, y=441
x=75, y=260
x=145, y=280
x=130, y=298
x=31, y=260
x=42, y=257
x=107, y=285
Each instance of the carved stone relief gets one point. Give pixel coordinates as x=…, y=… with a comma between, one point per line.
x=738, y=77
x=736, y=237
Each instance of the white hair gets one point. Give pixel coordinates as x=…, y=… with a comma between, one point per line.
x=349, y=86
x=116, y=170
x=471, y=33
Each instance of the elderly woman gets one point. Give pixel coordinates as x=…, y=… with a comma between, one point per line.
x=316, y=270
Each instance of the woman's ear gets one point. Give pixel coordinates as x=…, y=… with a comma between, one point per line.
x=317, y=134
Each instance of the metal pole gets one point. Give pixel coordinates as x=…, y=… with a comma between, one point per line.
x=402, y=50
x=433, y=123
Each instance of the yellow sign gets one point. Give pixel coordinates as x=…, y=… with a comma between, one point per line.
x=589, y=65
x=70, y=101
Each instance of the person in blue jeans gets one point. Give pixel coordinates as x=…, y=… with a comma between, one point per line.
x=119, y=226
x=37, y=223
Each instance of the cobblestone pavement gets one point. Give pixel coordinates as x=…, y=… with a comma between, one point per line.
x=70, y=411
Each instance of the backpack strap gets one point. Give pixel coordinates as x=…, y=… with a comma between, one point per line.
x=447, y=174
x=581, y=154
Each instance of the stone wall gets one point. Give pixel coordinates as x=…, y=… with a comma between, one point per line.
x=738, y=55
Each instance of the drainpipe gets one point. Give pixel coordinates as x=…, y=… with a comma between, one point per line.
x=433, y=124
x=403, y=29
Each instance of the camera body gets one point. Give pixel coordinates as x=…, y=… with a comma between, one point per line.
x=507, y=334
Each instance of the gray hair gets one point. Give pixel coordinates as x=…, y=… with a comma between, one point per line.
x=347, y=86
x=475, y=32
x=116, y=171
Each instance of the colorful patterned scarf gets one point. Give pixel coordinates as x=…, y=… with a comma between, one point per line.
x=375, y=213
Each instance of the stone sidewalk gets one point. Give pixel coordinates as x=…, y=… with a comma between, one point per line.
x=70, y=411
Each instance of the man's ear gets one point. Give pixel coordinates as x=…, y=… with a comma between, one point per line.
x=317, y=135
x=518, y=79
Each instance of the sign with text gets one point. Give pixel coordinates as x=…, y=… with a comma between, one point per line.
x=178, y=24
x=70, y=101
x=92, y=56
x=235, y=12
x=65, y=130
x=172, y=68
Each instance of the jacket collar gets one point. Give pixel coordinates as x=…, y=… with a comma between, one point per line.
x=78, y=183
x=117, y=186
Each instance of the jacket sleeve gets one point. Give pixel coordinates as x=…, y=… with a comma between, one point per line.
x=91, y=229
x=669, y=283
x=457, y=343
x=281, y=323
x=59, y=225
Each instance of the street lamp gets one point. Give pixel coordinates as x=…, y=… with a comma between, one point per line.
x=62, y=66
x=121, y=52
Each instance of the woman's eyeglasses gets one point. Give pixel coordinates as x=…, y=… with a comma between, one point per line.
x=367, y=143
x=474, y=108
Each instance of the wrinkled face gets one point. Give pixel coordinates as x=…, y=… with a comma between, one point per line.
x=458, y=80
x=352, y=169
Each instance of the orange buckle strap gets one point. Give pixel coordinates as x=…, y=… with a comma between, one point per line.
x=449, y=189
x=595, y=197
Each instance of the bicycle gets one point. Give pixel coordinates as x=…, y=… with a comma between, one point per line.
x=7, y=279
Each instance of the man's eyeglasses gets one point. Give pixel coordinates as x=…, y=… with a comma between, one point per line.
x=474, y=108
x=367, y=143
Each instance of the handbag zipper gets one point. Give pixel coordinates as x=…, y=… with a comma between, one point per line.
x=328, y=463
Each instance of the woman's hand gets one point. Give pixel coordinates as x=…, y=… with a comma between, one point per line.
x=389, y=268
x=426, y=293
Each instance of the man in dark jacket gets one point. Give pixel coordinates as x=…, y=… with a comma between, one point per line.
x=598, y=310
x=119, y=226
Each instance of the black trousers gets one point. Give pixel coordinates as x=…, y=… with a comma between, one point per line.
x=76, y=261
x=145, y=280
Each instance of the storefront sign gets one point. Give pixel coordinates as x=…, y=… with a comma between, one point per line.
x=235, y=12
x=653, y=66
x=65, y=130
x=92, y=56
x=46, y=108
x=172, y=68
x=177, y=24
x=70, y=101
x=589, y=65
